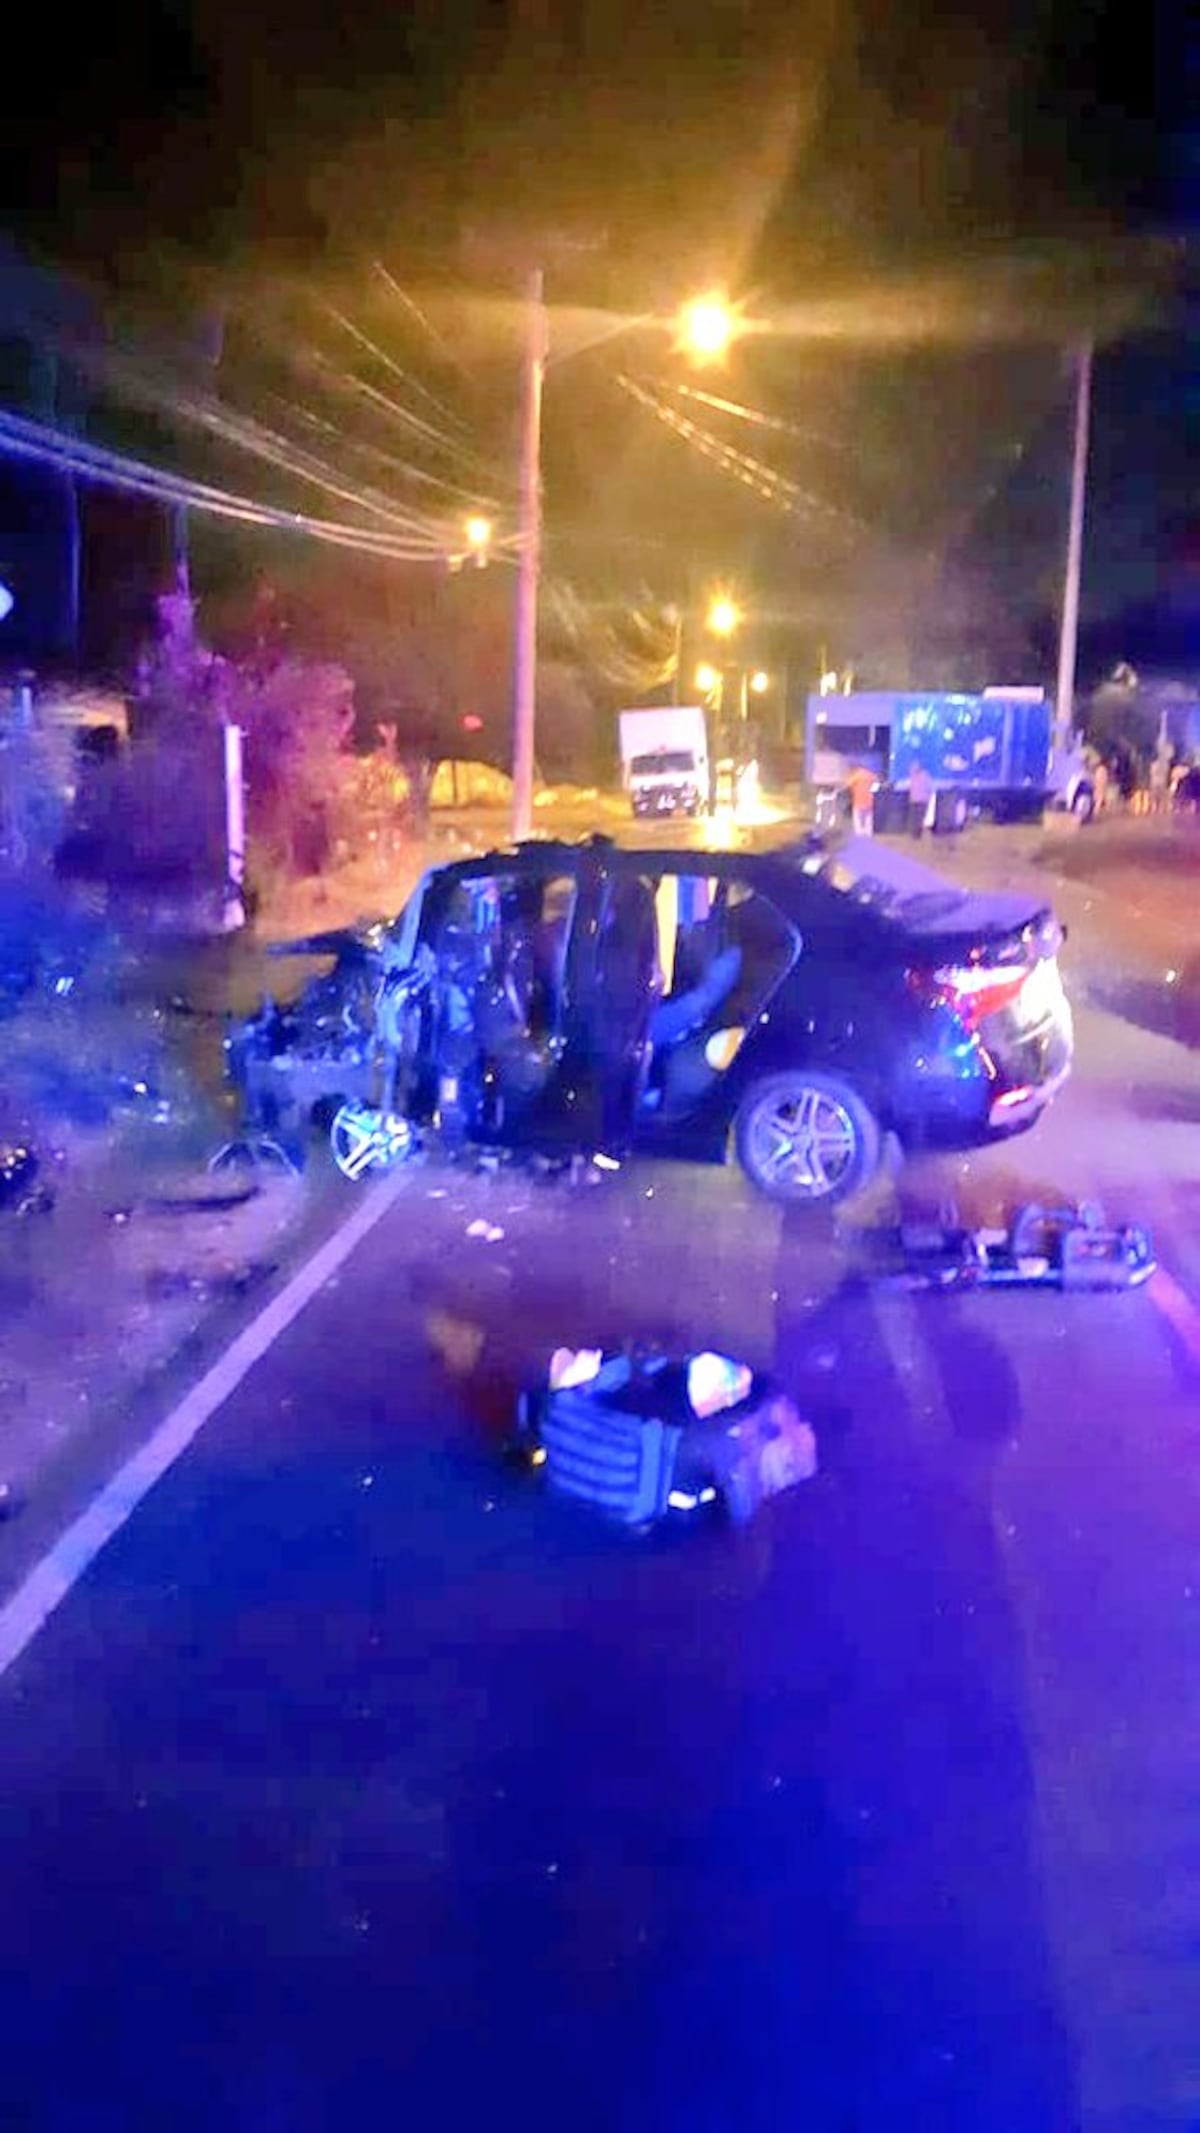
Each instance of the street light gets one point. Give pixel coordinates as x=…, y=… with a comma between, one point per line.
x=724, y=615
x=706, y=328
x=478, y=531
x=760, y=682
x=707, y=678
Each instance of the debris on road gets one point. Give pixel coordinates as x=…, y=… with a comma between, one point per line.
x=642, y=1437
x=189, y=1203
x=1066, y=1247
x=20, y=1192
x=457, y=1341
x=168, y=1284
x=490, y=1232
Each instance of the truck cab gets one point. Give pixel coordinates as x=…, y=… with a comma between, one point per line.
x=664, y=760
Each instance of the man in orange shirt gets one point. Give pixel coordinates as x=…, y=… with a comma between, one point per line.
x=861, y=787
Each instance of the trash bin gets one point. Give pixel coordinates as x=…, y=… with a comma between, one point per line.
x=950, y=812
x=891, y=811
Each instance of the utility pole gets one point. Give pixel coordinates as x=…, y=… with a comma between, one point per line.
x=1068, y=642
x=181, y=550
x=529, y=561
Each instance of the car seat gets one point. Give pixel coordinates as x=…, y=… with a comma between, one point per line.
x=684, y=1013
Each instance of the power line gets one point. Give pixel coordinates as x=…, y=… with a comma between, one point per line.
x=381, y=356
x=347, y=381
x=758, y=417
x=438, y=340
x=755, y=474
x=45, y=445
x=403, y=467
x=247, y=434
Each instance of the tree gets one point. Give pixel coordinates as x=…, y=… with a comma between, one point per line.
x=1122, y=723
x=297, y=716
x=430, y=653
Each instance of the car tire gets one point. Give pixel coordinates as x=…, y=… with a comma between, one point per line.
x=807, y=1139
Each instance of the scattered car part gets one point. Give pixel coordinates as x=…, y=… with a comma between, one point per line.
x=1066, y=1247
x=20, y=1191
x=363, y=1138
x=622, y=1433
x=258, y=1151
x=200, y=1203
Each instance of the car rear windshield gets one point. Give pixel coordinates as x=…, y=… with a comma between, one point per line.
x=881, y=880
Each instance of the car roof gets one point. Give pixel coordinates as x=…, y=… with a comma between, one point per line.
x=778, y=867
x=787, y=873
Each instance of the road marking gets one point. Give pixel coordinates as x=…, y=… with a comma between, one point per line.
x=1177, y=1308
x=51, y=1579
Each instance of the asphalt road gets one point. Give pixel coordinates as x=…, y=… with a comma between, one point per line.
x=358, y=1784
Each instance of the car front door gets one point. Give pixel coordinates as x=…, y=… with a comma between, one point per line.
x=615, y=986
x=502, y=944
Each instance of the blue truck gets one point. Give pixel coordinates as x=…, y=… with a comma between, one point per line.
x=991, y=755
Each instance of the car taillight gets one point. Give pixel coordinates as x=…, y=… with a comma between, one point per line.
x=973, y=991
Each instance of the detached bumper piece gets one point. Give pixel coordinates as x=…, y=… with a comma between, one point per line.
x=645, y=1440
x=1069, y=1248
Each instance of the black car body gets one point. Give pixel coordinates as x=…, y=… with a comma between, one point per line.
x=802, y=1002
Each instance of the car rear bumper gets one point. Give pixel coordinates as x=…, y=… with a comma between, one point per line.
x=992, y=1093
x=1019, y=1106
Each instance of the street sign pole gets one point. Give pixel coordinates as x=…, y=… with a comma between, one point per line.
x=1068, y=642
x=529, y=561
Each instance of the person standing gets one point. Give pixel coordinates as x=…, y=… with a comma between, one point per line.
x=1100, y=784
x=861, y=787
x=921, y=789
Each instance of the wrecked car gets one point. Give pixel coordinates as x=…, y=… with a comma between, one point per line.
x=797, y=1005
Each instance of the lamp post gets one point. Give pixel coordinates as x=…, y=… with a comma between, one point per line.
x=705, y=329
x=1064, y=702
x=529, y=559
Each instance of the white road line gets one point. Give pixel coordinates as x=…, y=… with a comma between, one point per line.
x=1176, y=1306
x=52, y=1578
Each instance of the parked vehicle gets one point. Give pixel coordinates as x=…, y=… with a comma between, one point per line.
x=992, y=754
x=664, y=759
x=796, y=1005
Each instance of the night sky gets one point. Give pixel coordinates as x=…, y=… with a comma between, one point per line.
x=835, y=129
x=782, y=150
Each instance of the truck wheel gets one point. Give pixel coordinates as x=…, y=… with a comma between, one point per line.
x=1083, y=803
x=806, y=1139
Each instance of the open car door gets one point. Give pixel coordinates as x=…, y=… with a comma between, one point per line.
x=608, y=1049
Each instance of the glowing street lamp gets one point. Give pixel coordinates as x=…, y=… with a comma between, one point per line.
x=724, y=615
x=478, y=531
x=707, y=678
x=759, y=683
x=706, y=328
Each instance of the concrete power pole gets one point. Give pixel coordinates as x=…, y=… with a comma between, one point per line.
x=529, y=561
x=1068, y=641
